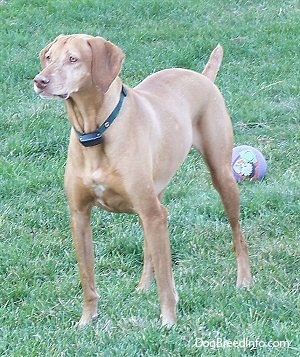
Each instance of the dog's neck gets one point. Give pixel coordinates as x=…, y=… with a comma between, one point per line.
x=89, y=109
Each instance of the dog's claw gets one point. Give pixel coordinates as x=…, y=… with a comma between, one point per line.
x=95, y=318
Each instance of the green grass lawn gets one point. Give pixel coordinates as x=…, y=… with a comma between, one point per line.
x=40, y=299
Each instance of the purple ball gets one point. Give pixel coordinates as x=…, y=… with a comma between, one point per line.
x=248, y=163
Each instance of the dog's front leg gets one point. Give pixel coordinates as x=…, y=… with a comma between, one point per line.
x=158, y=253
x=82, y=236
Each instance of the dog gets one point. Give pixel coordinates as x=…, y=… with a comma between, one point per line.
x=127, y=143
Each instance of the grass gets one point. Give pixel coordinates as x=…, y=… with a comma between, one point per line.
x=40, y=297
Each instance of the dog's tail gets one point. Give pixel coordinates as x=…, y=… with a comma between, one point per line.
x=212, y=67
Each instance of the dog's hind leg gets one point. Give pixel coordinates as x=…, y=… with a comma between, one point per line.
x=227, y=189
x=154, y=220
x=148, y=269
x=213, y=138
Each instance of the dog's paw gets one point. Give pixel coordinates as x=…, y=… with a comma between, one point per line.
x=168, y=322
x=86, y=321
x=244, y=282
x=144, y=285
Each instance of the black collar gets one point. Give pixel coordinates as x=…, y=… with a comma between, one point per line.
x=96, y=137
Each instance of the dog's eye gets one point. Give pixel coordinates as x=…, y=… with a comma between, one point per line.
x=47, y=57
x=72, y=59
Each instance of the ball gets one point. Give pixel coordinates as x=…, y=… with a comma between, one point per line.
x=248, y=163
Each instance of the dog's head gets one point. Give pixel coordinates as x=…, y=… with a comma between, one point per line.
x=75, y=63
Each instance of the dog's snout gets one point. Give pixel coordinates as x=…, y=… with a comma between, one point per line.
x=41, y=81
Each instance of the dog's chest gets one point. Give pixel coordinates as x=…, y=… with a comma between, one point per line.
x=100, y=187
x=108, y=191
x=99, y=191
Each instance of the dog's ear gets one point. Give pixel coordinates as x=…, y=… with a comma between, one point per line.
x=106, y=62
x=44, y=51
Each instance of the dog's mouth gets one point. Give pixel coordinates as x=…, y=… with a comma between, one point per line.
x=54, y=96
x=44, y=95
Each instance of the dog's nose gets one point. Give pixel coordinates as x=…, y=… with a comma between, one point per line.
x=41, y=81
